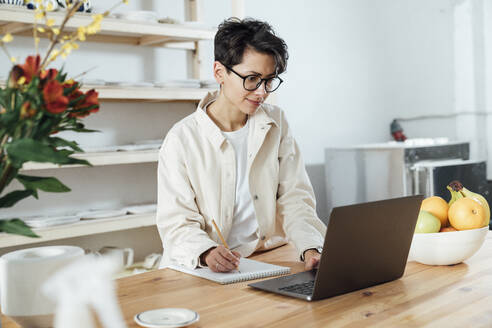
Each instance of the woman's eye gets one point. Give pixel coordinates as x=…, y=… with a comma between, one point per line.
x=252, y=78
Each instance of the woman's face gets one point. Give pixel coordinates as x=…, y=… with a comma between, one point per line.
x=254, y=63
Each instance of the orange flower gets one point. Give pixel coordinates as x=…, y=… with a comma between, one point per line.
x=75, y=94
x=31, y=67
x=15, y=74
x=53, y=97
x=89, y=100
x=49, y=74
x=27, y=111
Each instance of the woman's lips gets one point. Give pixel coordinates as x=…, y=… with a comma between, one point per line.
x=256, y=103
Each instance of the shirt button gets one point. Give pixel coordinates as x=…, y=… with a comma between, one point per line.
x=263, y=237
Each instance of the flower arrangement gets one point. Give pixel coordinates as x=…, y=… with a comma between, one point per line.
x=38, y=102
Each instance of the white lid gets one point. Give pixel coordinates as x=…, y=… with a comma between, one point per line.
x=166, y=318
x=43, y=253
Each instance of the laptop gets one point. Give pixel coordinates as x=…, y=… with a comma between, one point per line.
x=365, y=245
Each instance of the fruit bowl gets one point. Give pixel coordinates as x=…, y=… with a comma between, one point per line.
x=446, y=248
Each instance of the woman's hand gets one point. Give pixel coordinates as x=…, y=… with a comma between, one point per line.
x=221, y=259
x=311, y=259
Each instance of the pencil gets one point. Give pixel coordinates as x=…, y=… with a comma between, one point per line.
x=220, y=234
x=221, y=237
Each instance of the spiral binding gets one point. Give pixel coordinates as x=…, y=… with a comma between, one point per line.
x=258, y=275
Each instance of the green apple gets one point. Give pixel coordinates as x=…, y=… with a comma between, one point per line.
x=427, y=223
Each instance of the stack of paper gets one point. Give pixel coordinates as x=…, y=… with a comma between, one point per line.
x=48, y=221
x=190, y=83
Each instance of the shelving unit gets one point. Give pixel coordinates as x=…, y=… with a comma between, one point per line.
x=144, y=94
x=81, y=228
x=19, y=21
x=101, y=159
x=113, y=30
x=128, y=94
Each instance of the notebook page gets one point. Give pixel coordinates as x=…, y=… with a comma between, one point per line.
x=249, y=270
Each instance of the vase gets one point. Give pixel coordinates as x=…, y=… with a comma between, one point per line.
x=22, y=273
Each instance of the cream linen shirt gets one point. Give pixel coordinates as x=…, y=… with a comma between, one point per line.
x=196, y=183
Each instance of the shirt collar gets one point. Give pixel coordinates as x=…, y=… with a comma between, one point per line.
x=213, y=132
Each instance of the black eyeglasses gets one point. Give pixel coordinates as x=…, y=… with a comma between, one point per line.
x=253, y=82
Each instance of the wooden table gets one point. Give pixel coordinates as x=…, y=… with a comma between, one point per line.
x=434, y=296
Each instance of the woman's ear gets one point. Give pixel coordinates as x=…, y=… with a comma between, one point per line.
x=219, y=72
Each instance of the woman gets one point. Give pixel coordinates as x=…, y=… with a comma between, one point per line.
x=235, y=161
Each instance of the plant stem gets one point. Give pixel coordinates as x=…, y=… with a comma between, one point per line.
x=69, y=14
x=6, y=50
x=2, y=144
x=5, y=174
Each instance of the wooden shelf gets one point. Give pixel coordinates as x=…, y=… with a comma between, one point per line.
x=144, y=94
x=20, y=21
x=148, y=94
x=81, y=228
x=101, y=159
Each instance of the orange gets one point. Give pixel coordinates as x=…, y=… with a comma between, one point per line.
x=447, y=229
x=437, y=207
x=466, y=214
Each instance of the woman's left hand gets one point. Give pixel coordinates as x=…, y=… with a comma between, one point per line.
x=311, y=259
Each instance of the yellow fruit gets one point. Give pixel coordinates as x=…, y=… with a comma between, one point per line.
x=437, y=207
x=466, y=214
x=447, y=229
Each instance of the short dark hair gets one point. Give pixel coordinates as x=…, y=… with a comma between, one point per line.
x=235, y=35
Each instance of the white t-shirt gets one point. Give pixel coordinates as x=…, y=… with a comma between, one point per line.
x=245, y=226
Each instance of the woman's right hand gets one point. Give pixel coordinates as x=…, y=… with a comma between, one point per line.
x=221, y=259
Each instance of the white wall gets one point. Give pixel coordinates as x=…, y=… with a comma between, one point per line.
x=354, y=66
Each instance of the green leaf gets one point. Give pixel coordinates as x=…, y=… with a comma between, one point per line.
x=13, y=197
x=84, y=109
x=59, y=142
x=48, y=184
x=24, y=150
x=67, y=91
x=18, y=227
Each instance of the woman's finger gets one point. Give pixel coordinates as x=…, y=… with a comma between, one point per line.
x=226, y=253
x=224, y=262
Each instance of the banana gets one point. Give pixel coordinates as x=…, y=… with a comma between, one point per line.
x=455, y=188
x=458, y=191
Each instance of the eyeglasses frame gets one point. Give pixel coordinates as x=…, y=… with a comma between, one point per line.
x=259, y=84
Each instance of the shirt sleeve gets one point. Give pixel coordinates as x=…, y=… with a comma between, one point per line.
x=296, y=204
x=179, y=222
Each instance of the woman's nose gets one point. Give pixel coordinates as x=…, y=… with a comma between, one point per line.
x=261, y=90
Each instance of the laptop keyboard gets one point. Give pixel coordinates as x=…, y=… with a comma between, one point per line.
x=305, y=288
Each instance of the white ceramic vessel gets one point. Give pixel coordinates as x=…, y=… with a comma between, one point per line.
x=446, y=248
x=22, y=273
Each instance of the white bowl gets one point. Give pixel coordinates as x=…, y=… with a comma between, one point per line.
x=446, y=248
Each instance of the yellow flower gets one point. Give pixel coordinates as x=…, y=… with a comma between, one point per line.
x=54, y=54
x=38, y=2
x=41, y=29
x=67, y=48
x=21, y=80
x=81, y=33
x=39, y=14
x=7, y=38
x=50, y=22
x=13, y=59
x=125, y=2
x=49, y=7
x=56, y=31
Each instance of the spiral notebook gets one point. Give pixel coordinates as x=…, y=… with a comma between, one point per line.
x=249, y=270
